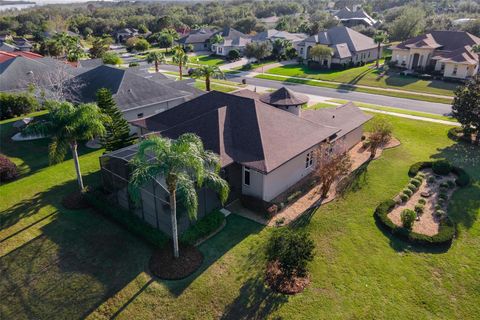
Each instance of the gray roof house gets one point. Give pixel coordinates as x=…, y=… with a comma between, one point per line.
x=449, y=53
x=8, y=47
x=22, y=44
x=199, y=39
x=348, y=46
x=263, y=149
x=232, y=40
x=355, y=17
x=124, y=34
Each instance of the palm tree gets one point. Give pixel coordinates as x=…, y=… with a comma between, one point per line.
x=181, y=59
x=185, y=165
x=379, y=38
x=156, y=57
x=208, y=72
x=66, y=125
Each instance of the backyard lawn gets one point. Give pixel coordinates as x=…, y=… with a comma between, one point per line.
x=367, y=76
x=56, y=263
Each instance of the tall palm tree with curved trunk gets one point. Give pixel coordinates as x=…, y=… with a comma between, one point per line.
x=67, y=124
x=379, y=38
x=180, y=58
x=157, y=58
x=208, y=72
x=185, y=165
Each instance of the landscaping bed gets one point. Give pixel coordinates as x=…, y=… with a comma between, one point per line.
x=419, y=213
x=165, y=266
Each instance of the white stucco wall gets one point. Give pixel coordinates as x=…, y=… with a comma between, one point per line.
x=463, y=71
x=256, y=184
x=285, y=176
x=142, y=112
x=352, y=138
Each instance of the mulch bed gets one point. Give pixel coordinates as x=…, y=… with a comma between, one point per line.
x=278, y=282
x=75, y=201
x=165, y=266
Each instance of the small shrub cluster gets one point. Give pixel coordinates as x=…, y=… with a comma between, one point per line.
x=419, y=208
x=408, y=218
x=8, y=169
x=16, y=104
x=416, y=182
x=422, y=201
x=203, y=227
x=463, y=179
x=292, y=250
x=441, y=167
x=407, y=192
x=412, y=187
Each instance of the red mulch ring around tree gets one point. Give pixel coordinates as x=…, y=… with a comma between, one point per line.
x=279, y=283
x=75, y=201
x=165, y=266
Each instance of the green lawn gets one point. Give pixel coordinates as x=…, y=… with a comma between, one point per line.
x=396, y=110
x=367, y=76
x=339, y=86
x=209, y=60
x=57, y=263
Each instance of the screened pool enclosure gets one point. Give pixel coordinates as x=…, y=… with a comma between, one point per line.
x=154, y=207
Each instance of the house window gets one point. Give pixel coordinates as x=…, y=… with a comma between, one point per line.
x=455, y=69
x=309, y=160
x=301, y=50
x=442, y=67
x=246, y=176
x=220, y=49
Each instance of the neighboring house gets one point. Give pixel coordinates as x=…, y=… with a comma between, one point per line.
x=8, y=47
x=124, y=34
x=199, y=39
x=349, y=47
x=448, y=53
x=136, y=95
x=355, y=17
x=7, y=55
x=264, y=148
x=273, y=34
x=22, y=44
x=232, y=40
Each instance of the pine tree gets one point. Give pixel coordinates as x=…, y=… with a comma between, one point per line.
x=117, y=130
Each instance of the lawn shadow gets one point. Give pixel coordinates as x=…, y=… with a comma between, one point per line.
x=465, y=203
x=255, y=301
x=236, y=230
x=79, y=261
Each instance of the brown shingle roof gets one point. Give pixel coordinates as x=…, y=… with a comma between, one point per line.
x=241, y=129
x=284, y=97
x=444, y=40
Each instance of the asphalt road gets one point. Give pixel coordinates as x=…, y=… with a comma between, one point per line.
x=407, y=104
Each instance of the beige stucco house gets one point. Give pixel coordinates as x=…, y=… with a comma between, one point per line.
x=349, y=47
x=265, y=142
x=448, y=53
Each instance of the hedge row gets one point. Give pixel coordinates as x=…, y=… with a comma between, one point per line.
x=128, y=220
x=203, y=228
x=463, y=179
x=445, y=234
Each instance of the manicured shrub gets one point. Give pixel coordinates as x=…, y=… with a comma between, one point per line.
x=430, y=180
x=416, y=167
x=442, y=167
x=451, y=184
x=420, y=176
x=404, y=197
x=416, y=182
x=408, y=218
x=292, y=250
x=422, y=201
x=412, y=187
x=438, y=207
x=441, y=202
x=440, y=213
x=444, y=185
x=419, y=208
x=408, y=192
x=8, y=169
x=203, y=227
x=463, y=179
x=443, y=195
x=16, y=104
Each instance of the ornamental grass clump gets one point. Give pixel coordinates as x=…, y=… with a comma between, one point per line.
x=408, y=218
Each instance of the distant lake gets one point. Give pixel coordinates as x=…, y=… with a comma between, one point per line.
x=39, y=2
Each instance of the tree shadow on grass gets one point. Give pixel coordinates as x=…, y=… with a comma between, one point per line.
x=236, y=230
x=255, y=301
x=79, y=261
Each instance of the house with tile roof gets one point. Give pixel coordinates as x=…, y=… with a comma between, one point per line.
x=357, y=16
x=265, y=142
x=349, y=47
x=448, y=53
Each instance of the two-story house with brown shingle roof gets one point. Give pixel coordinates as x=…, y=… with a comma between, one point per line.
x=449, y=53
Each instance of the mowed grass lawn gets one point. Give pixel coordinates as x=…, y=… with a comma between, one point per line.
x=367, y=76
x=210, y=60
x=58, y=264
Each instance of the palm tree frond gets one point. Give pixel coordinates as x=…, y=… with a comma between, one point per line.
x=219, y=185
x=187, y=195
x=57, y=150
